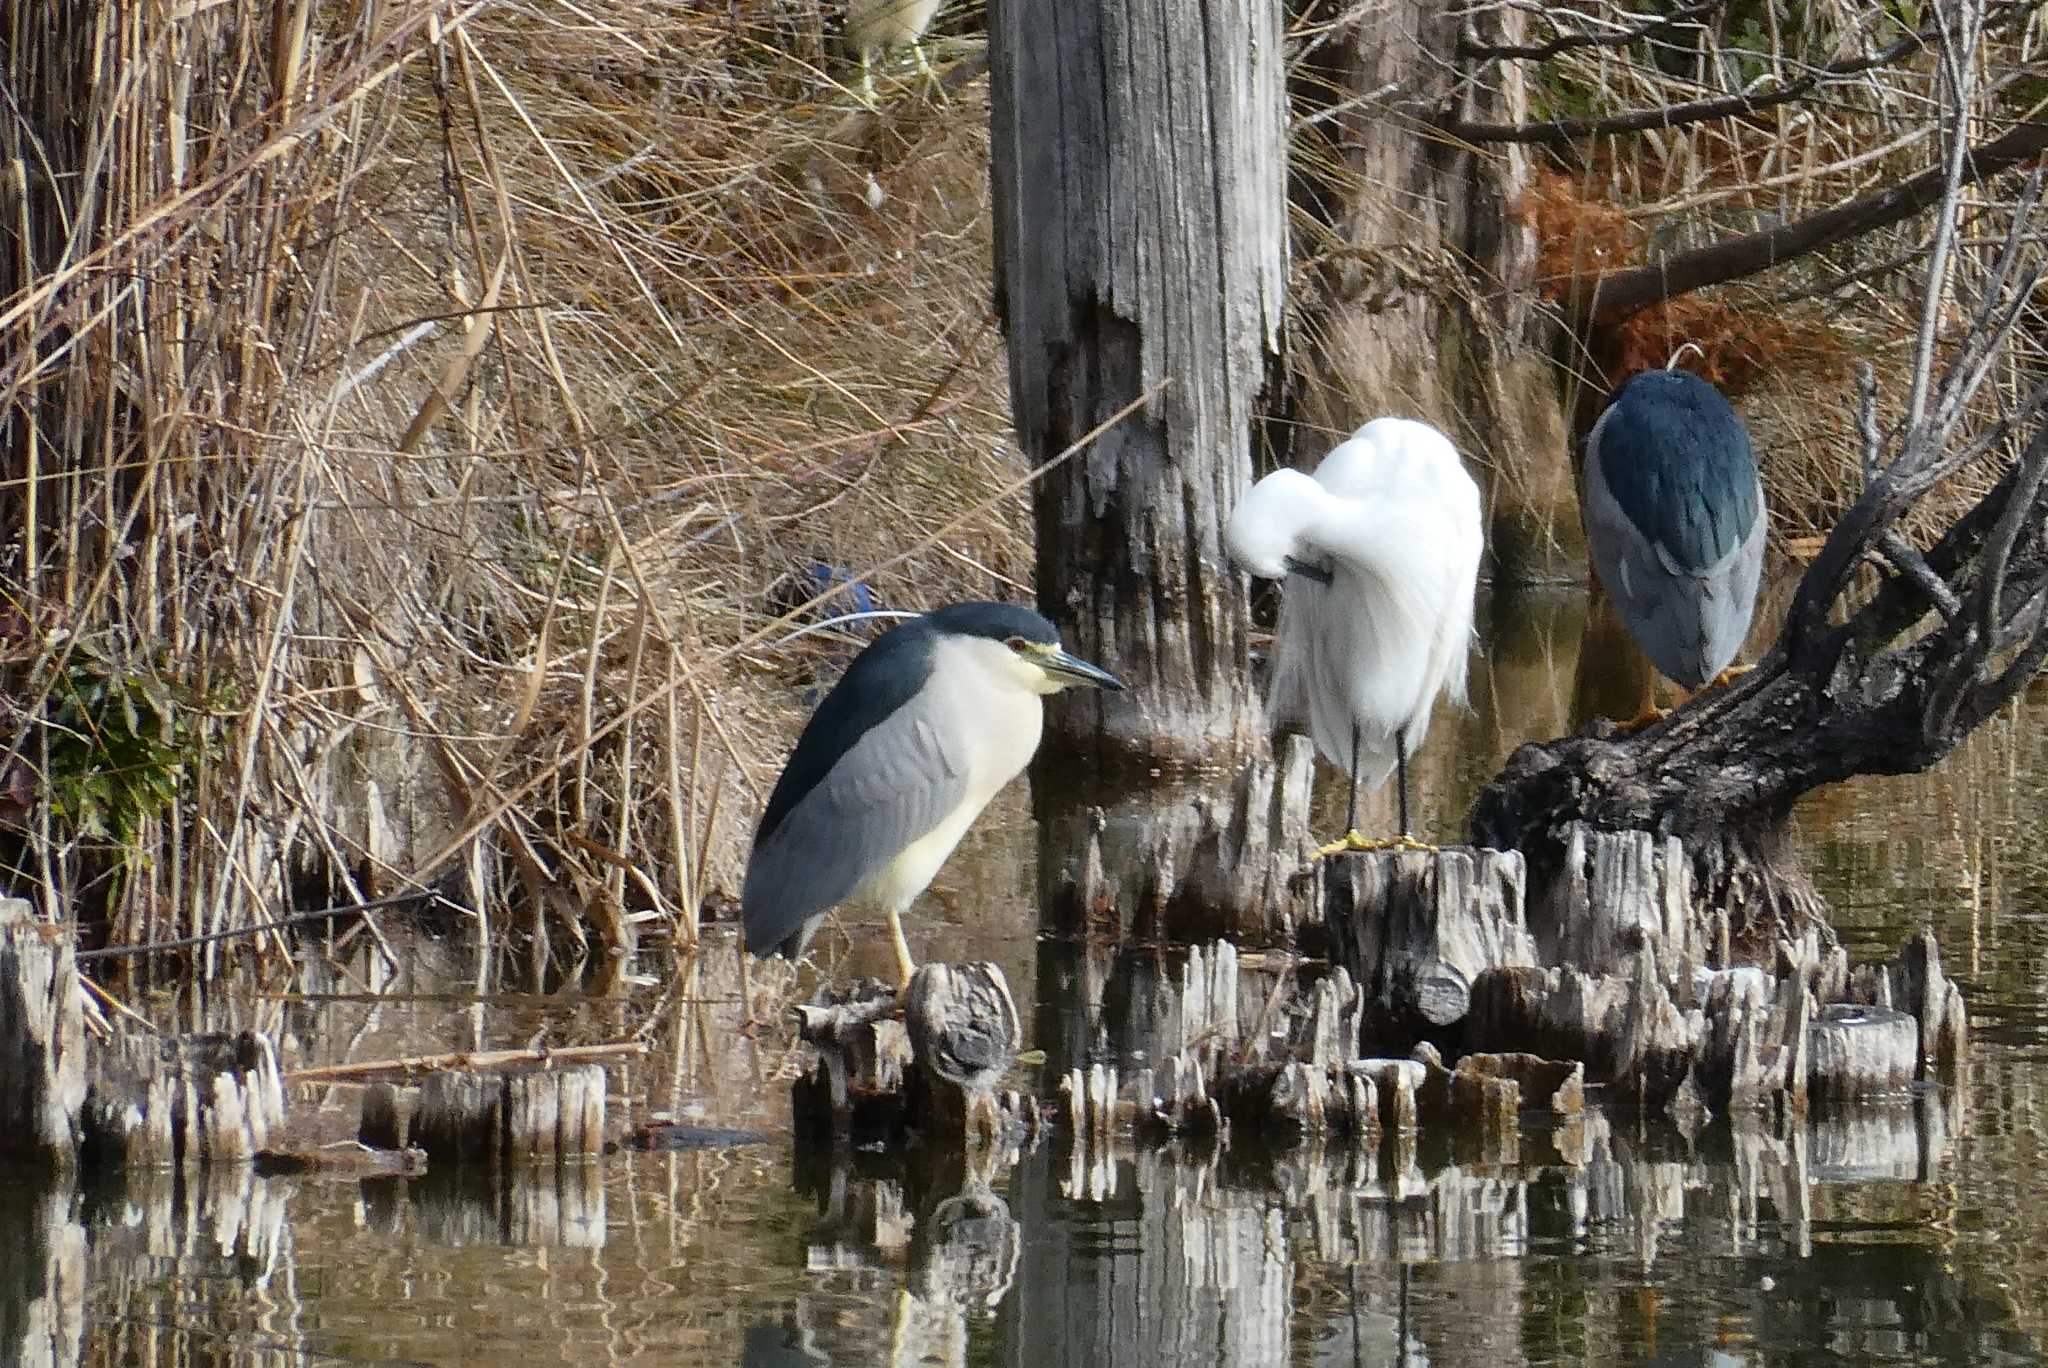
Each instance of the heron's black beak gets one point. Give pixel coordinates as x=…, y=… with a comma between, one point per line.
x=1078, y=671
x=1308, y=570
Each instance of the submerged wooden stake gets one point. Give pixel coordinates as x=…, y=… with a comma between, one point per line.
x=536, y=1116
x=187, y=1101
x=42, y=1040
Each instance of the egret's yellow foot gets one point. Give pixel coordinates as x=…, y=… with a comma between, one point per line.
x=1352, y=843
x=1726, y=677
x=1645, y=718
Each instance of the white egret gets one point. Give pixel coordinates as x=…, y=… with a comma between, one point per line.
x=1379, y=551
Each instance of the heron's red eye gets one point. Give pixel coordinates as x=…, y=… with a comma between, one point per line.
x=1018, y=644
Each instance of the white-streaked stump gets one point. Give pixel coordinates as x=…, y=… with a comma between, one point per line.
x=42, y=1040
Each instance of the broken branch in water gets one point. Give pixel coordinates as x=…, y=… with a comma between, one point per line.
x=467, y=1059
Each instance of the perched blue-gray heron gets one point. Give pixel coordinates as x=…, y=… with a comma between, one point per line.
x=1674, y=516
x=924, y=727
x=1379, y=551
x=875, y=26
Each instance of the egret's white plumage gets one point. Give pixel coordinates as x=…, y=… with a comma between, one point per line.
x=1393, y=520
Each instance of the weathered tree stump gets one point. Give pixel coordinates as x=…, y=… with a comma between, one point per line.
x=853, y=1091
x=182, y=1101
x=1862, y=1053
x=1619, y=892
x=512, y=1119
x=964, y=1035
x=1415, y=927
x=881, y=1069
x=42, y=1040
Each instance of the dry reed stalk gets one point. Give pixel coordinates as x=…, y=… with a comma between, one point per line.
x=413, y=406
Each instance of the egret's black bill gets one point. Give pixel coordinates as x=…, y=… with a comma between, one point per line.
x=1308, y=570
x=1081, y=672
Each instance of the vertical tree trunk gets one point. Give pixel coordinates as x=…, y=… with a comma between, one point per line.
x=1139, y=152
x=1416, y=278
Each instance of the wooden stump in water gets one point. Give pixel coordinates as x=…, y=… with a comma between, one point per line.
x=186, y=1101
x=514, y=1119
x=387, y=1114
x=964, y=1035
x=42, y=1040
x=1618, y=893
x=853, y=1091
x=932, y=1065
x=1862, y=1053
x=1415, y=927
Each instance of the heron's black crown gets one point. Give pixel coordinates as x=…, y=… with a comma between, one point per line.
x=883, y=678
x=996, y=621
x=1679, y=462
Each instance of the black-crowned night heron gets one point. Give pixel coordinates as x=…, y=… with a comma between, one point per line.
x=925, y=726
x=1674, y=516
x=875, y=26
x=1380, y=553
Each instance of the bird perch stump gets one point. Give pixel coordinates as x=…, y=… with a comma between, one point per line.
x=929, y=1062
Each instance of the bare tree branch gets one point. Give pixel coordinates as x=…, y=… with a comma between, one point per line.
x=1562, y=133
x=1642, y=26
x=1617, y=294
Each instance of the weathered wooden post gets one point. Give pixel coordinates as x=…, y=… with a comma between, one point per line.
x=42, y=1040
x=1139, y=169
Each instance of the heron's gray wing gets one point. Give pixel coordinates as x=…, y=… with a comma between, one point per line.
x=1689, y=620
x=903, y=777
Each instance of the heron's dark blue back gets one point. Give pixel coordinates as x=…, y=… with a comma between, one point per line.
x=882, y=678
x=1679, y=462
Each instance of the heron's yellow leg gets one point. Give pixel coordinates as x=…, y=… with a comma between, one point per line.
x=867, y=79
x=905, y=965
x=1351, y=842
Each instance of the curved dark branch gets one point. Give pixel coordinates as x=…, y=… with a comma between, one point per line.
x=1641, y=26
x=1562, y=133
x=1617, y=294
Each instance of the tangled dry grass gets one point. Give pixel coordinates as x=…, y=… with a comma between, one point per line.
x=417, y=404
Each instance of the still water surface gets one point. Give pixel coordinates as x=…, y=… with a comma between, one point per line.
x=1914, y=1236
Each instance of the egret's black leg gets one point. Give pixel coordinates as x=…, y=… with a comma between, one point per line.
x=1351, y=807
x=1401, y=776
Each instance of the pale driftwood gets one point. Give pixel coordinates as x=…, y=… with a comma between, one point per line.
x=1415, y=927
x=42, y=1040
x=1862, y=1053
x=190, y=1101
x=467, y=1059
x=964, y=1035
x=530, y=1117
